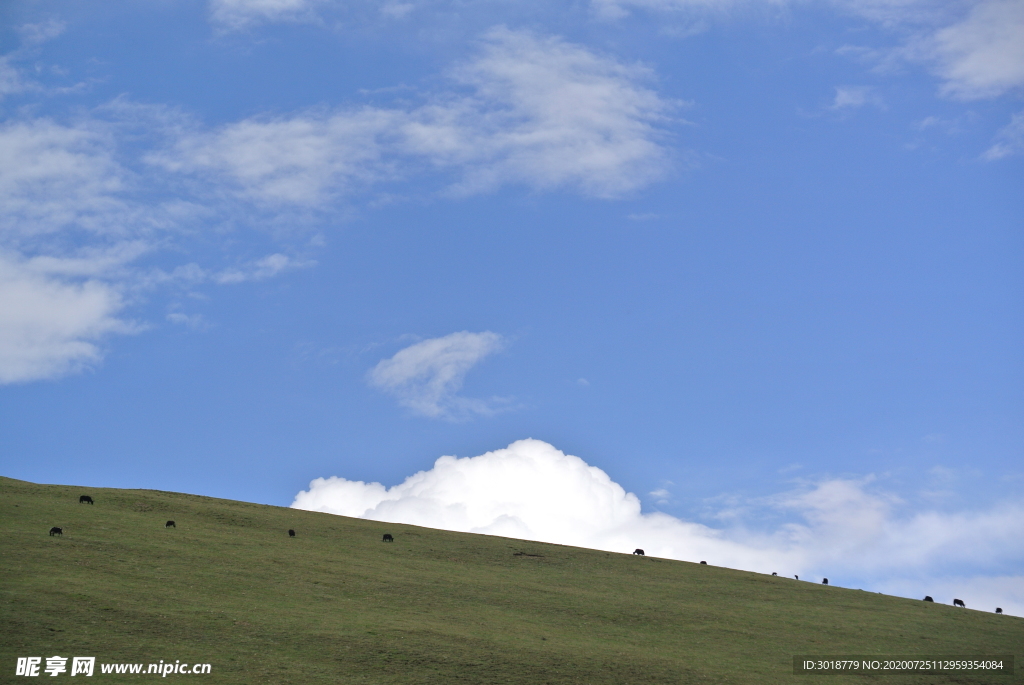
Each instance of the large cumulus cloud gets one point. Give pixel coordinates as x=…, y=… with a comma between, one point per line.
x=846, y=529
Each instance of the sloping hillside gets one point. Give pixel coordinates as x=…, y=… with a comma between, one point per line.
x=335, y=604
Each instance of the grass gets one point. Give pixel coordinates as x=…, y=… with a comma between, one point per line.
x=227, y=586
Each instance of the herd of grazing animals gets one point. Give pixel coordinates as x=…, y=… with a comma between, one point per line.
x=388, y=537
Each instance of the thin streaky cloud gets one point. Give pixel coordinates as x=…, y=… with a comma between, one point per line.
x=1010, y=140
x=539, y=112
x=241, y=14
x=262, y=269
x=851, y=97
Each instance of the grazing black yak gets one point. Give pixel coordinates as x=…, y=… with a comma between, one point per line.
x=959, y=603
x=85, y=499
x=774, y=573
x=291, y=533
x=704, y=562
x=999, y=610
x=170, y=524
x=825, y=582
x=797, y=577
x=388, y=537
x=928, y=598
x=638, y=551
x=56, y=531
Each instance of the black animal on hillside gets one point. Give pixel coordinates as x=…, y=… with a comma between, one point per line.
x=291, y=533
x=797, y=577
x=85, y=499
x=388, y=537
x=825, y=582
x=959, y=603
x=638, y=551
x=928, y=598
x=774, y=573
x=999, y=610
x=170, y=524
x=56, y=531
x=704, y=562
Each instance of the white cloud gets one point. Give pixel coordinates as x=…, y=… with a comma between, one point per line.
x=528, y=110
x=397, y=10
x=975, y=47
x=193, y=321
x=54, y=176
x=72, y=225
x=11, y=81
x=261, y=269
x=661, y=496
x=238, y=14
x=983, y=55
x=845, y=529
x=50, y=321
x=33, y=34
x=12, y=78
x=307, y=159
x=427, y=376
x=546, y=114
x=617, y=9
x=1010, y=140
x=67, y=238
x=983, y=593
x=540, y=112
x=855, y=96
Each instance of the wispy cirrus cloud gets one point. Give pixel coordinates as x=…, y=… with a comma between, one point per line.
x=549, y=114
x=1009, y=141
x=12, y=76
x=849, y=530
x=261, y=269
x=427, y=376
x=528, y=110
x=539, y=112
x=240, y=14
x=974, y=47
x=40, y=32
x=76, y=215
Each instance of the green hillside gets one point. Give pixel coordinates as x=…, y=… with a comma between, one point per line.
x=335, y=604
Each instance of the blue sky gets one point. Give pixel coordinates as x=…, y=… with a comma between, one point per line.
x=757, y=261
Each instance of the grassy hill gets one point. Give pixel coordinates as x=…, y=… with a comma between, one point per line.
x=334, y=604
